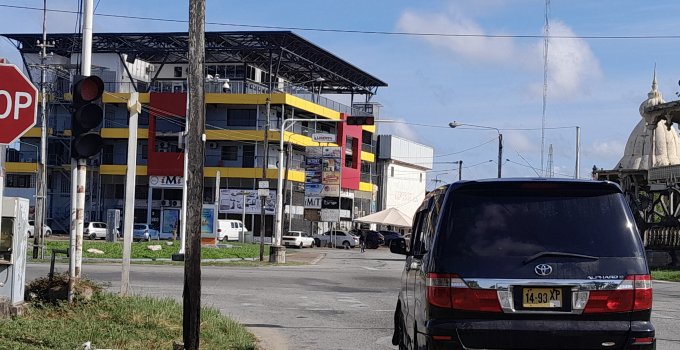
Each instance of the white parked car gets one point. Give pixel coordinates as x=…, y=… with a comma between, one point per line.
x=95, y=230
x=342, y=238
x=297, y=239
x=46, y=229
x=144, y=232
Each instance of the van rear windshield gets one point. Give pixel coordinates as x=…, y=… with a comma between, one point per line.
x=508, y=224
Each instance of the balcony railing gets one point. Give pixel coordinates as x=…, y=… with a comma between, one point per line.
x=239, y=87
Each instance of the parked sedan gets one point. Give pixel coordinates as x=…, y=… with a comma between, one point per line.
x=374, y=239
x=144, y=232
x=31, y=229
x=389, y=236
x=297, y=239
x=342, y=238
x=95, y=230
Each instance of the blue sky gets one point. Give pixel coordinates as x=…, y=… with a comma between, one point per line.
x=597, y=84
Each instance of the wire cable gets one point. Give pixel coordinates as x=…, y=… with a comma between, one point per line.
x=350, y=31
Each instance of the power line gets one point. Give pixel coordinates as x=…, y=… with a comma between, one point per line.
x=350, y=31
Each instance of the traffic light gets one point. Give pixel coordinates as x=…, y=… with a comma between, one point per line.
x=86, y=115
x=360, y=120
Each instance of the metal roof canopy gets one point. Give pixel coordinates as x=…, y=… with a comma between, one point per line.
x=291, y=56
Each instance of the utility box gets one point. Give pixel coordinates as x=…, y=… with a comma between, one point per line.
x=112, y=223
x=13, y=247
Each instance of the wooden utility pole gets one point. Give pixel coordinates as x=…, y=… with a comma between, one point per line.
x=195, y=149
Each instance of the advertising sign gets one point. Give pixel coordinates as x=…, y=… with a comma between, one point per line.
x=330, y=203
x=331, y=178
x=208, y=222
x=166, y=181
x=330, y=190
x=313, y=189
x=313, y=177
x=330, y=215
x=314, y=164
x=312, y=202
x=170, y=220
x=330, y=164
x=314, y=152
x=232, y=203
x=323, y=137
x=332, y=152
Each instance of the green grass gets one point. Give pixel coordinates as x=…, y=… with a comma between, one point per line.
x=666, y=275
x=112, y=322
x=114, y=250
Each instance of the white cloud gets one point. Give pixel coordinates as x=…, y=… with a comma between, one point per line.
x=400, y=129
x=469, y=50
x=571, y=63
x=605, y=150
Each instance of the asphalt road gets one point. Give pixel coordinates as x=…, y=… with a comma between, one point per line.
x=345, y=302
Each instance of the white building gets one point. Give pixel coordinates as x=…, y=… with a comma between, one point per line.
x=402, y=165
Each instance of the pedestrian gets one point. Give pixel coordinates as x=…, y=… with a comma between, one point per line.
x=362, y=240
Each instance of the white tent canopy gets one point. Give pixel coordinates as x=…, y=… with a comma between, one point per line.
x=391, y=217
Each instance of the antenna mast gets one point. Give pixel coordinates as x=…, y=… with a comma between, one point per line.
x=545, y=77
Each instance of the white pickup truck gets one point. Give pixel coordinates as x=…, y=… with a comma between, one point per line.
x=342, y=238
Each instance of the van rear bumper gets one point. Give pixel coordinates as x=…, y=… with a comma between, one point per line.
x=537, y=334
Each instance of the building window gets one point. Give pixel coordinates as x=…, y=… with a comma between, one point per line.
x=248, y=156
x=392, y=171
x=229, y=152
x=65, y=185
x=107, y=157
x=145, y=151
x=18, y=181
x=178, y=72
x=349, y=145
x=242, y=117
x=421, y=177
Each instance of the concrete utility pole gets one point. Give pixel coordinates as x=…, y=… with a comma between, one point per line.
x=39, y=226
x=130, y=180
x=78, y=166
x=195, y=148
x=265, y=165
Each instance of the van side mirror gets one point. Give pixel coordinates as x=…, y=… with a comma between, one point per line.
x=398, y=246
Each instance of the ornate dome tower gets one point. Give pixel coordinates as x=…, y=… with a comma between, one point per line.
x=638, y=148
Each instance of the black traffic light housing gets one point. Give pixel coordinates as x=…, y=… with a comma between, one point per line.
x=360, y=120
x=86, y=115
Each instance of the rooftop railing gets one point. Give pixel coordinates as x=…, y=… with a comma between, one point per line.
x=239, y=87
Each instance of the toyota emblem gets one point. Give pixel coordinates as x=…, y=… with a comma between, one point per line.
x=543, y=269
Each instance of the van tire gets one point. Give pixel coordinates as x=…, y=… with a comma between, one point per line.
x=317, y=242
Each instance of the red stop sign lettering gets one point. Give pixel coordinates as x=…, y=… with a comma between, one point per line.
x=18, y=104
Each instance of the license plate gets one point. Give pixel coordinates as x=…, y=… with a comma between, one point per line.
x=542, y=297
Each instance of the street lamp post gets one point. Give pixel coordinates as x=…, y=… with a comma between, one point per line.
x=500, y=142
x=436, y=181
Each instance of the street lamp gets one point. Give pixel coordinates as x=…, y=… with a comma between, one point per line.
x=436, y=181
x=500, y=141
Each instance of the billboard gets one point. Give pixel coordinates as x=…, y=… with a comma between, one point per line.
x=232, y=203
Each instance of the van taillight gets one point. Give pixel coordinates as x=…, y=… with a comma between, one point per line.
x=450, y=291
x=219, y=230
x=634, y=293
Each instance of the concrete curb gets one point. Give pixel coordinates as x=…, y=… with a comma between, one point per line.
x=317, y=259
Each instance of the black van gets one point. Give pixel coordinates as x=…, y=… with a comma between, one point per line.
x=524, y=264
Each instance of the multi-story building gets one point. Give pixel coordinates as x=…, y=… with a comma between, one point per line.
x=243, y=69
x=402, y=168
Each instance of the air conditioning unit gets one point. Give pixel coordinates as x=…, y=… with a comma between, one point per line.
x=164, y=203
x=163, y=150
x=150, y=68
x=176, y=203
x=162, y=144
x=212, y=144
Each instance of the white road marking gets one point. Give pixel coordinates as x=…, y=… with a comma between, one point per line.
x=370, y=268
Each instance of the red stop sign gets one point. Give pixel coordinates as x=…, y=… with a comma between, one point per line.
x=18, y=104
